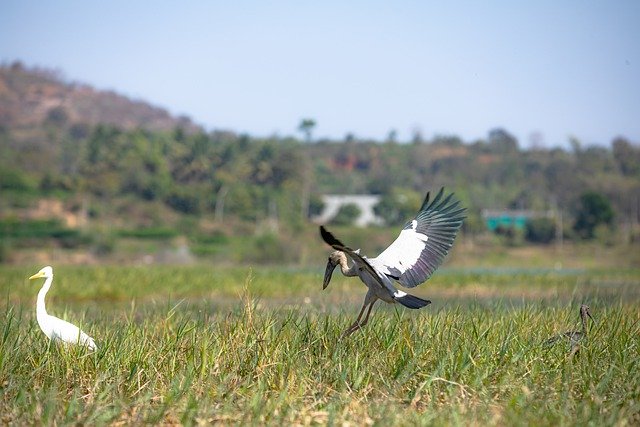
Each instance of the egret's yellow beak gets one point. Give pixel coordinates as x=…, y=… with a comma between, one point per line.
x=38, y=275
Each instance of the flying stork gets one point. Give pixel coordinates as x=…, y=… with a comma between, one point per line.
x=410, y=260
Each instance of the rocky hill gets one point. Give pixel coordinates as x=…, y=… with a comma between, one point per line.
x=30, y=97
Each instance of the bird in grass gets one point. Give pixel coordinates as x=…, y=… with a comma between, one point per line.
x=575, y=337
x=57, y=329
x=410, y=260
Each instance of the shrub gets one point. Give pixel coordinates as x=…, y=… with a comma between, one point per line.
x=347, y=214
x=15, y=180
x=595, y=209
x=540, y=230
x=267, y=248
x=184, y=203
x=158, y=233
x=37, y=229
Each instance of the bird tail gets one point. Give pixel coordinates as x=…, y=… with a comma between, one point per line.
x=412, y=301
x=88, y=342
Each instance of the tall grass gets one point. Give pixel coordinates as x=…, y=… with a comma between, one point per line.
x=171, y=352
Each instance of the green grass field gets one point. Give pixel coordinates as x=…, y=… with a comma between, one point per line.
x=189, y=345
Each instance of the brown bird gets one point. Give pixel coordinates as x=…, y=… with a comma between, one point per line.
x=575, y=337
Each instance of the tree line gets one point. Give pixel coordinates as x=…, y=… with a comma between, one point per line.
x=229, y=177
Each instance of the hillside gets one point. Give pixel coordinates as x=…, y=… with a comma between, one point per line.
x=97, y=173
x=30, y=97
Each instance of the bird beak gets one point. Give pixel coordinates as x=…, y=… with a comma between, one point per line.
x=38, y=275
x=327, y=273
x=591, y=317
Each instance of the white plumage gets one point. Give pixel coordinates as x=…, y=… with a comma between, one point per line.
x=57, y=329
x=404, y=252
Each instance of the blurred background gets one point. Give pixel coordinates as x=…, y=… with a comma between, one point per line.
x=224, y=133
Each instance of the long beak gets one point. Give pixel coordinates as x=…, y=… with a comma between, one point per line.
x=327, y=273
x=37, y=275
x=591, y=317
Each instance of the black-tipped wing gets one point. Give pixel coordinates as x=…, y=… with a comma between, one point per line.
x=363, y=264
x=336, y=244
x=424, y=242
x=331, y=240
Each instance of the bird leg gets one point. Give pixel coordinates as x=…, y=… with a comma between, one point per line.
x=366, y=318
x=575, y=349
x=357, y=325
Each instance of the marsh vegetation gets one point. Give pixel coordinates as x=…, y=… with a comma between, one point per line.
x=202, y=345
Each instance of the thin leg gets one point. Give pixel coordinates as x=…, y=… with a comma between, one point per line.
x=368, y=301
x=355, y=325
x=575, y=349
x=366, y=318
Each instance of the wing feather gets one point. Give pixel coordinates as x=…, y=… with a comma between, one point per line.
x=424, y=242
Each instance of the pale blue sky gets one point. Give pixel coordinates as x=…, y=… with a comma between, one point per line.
x=559, y=68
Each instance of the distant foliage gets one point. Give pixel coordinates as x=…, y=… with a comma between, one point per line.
x=36, y=229
x=316, y=205
x=347, y=214
x=159, y=233
x=42, y=230
x=594, y=210
x=12, y=179
x=398, y=207
x=626, y=156
x=306, y=126
x=130, y=155
x=57, y=116
x=540, y=230
x=267, y=248
x=510, y=235
x=184, y=202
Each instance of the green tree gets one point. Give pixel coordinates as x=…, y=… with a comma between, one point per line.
x=594, y=210
x=392, y=137
x=626, y=156
x=306, y=126
x=15, y=179
x=316, y=205
x=347, y=214
x=502, y=142
x=57, y=116
x=398, y=207
x=540, y=230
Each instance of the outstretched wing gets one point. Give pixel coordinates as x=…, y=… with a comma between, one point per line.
x=423, y=243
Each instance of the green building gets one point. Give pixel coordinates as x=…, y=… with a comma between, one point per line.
x=508, y=218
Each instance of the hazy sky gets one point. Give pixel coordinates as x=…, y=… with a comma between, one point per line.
x=558, y=68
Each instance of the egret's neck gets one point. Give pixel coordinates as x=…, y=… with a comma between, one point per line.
x=41, y=311
x=345, y=269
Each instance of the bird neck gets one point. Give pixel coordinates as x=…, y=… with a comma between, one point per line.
x=41, y=311
x=345, y=269
x=583, y=317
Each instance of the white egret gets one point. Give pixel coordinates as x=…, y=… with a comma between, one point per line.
x=410, y=260
x=57, y=329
